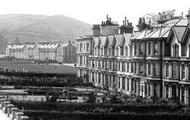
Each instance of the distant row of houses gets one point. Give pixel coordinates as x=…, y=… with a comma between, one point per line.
x=58, y=51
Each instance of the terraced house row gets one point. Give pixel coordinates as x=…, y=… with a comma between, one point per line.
x=153, y=62
x=58, y=51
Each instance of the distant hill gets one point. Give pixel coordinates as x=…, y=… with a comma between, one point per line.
x=36, y=28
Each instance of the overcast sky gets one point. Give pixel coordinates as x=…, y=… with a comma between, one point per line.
x=93, y=11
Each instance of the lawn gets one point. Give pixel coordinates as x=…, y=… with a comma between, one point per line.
x=19, y=65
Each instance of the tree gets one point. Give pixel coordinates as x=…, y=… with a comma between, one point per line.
x=91, y=98
x=115, y=99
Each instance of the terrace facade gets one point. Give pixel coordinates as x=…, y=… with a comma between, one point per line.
x=152, y=63
x=84, y=50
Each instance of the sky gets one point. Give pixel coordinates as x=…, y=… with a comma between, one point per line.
x=93, y=11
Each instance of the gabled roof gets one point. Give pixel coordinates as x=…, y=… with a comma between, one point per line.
x=16, y=46
x=186, y=35
x=120, y=40
x=48, y=45
x=30, y=45
x=178, y=31
x=163, y=31
x=66, y=44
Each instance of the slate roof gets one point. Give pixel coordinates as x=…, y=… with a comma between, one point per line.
x=142, y=35
x=16, y=46
x=48, y=46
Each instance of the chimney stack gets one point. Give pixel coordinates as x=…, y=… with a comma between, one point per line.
x=96, y=29
x=125, y=20
x=126, y=27
x=188, y=16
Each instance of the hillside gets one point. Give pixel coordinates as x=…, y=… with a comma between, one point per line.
x=40, y=28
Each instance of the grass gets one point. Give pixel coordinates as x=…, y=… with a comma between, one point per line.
x=30, y=67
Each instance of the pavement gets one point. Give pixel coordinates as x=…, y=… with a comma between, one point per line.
x=3, y=116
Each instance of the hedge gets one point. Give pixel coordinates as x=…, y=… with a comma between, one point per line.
x=54, y=115
x=85, y=107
